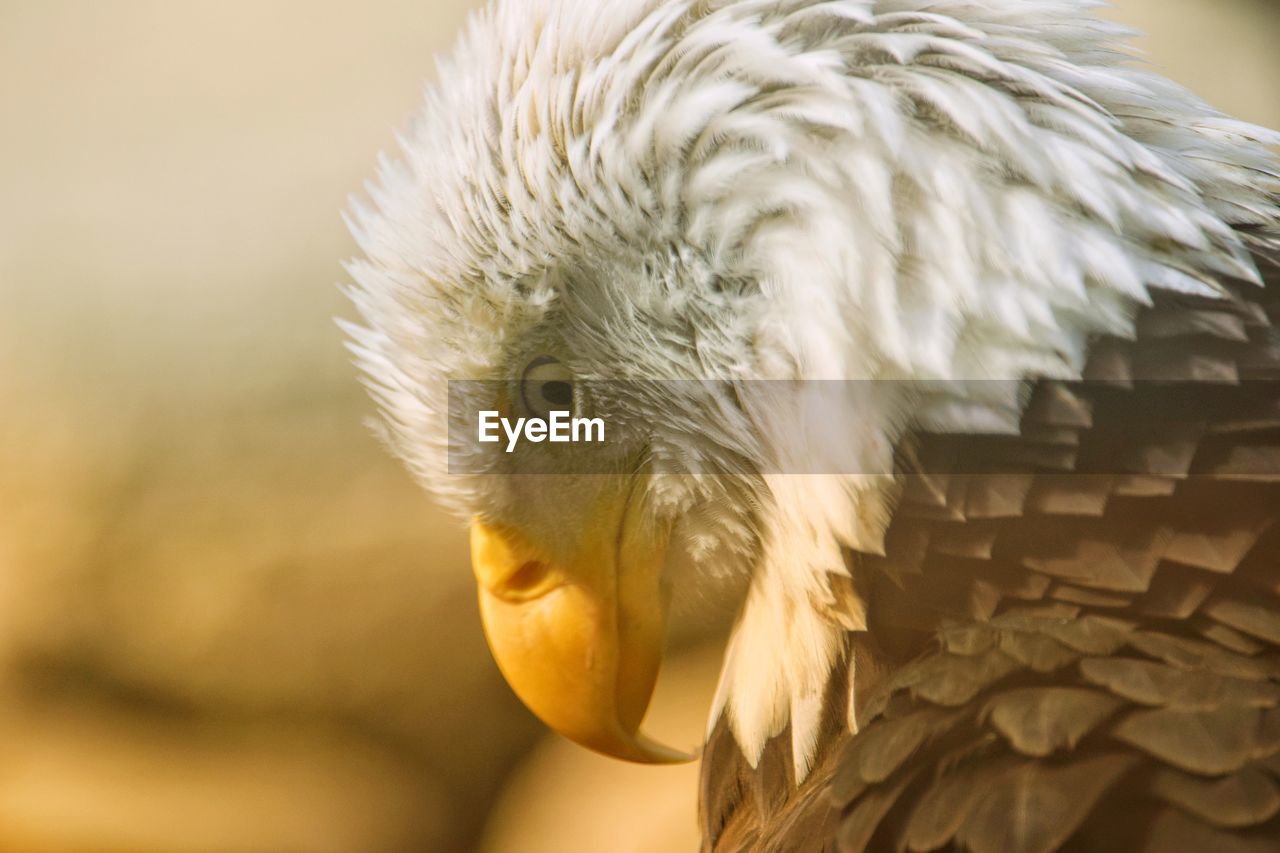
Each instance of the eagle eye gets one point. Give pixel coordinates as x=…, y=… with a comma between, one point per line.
x=546, y=386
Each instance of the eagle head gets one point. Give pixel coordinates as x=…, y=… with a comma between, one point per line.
x=685, y=218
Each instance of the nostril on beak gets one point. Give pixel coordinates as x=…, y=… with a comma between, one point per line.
x=529, y=575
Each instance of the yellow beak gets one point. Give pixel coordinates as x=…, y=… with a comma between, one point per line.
x=579, y=639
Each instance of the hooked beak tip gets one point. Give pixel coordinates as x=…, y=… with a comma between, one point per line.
x=578, y=646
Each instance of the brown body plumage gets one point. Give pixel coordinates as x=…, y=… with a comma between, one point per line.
x=1077, y=647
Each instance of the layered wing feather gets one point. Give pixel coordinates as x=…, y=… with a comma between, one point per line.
x=1074, y=636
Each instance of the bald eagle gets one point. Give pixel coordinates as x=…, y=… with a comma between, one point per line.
x=1013, y=581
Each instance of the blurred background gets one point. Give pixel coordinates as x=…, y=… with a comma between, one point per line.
x=228, y=622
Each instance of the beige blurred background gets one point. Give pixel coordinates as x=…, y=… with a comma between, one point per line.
x=227, y=621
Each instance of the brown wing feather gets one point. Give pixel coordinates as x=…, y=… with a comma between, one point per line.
x=1080, y=650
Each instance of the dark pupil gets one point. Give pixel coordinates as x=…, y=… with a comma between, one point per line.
x=557, y=393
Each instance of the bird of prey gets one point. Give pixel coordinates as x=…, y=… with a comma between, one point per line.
x=936, y=331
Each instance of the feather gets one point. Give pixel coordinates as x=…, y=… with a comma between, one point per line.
x=973, y=541
x=968, y=639
x=885, y=750
x=1176, y=832
x=1176, y=593
x=1110, y=363
x=1038, y=720
x=1071, y=494
x=1120, y=560
x=1144, y=486
x=1036, y=651
x=1038, y=807
x=1150, y=683
x=1170, y=324
x=1257, y=618
x=997, y=495
x=1244, y=799
x=863, y=819
x=1078, y=595
x=1218, y=740
x=946, y=680
x=1231, y=639
x=945, y=804
x=1057, y=405
x=1092, y=634
x=1169, y=457
x=1216, y=551
x=1190, y=655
